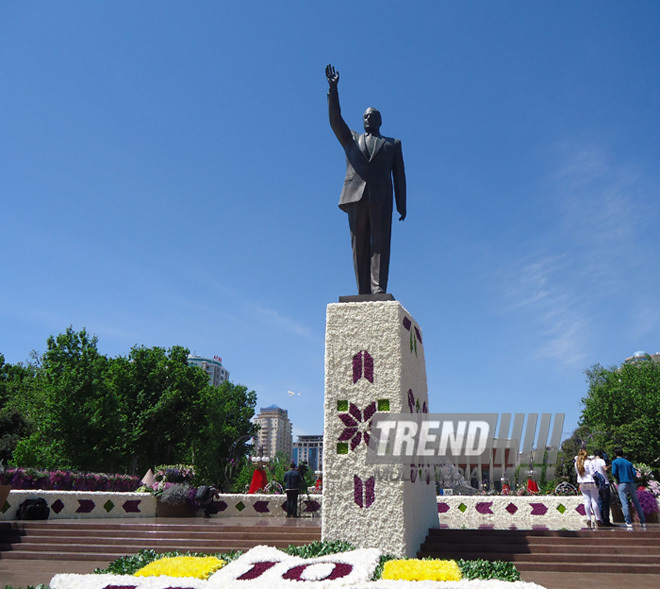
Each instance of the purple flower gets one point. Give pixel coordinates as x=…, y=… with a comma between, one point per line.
x=358, y=424
x=648, y=501
x=364, y=493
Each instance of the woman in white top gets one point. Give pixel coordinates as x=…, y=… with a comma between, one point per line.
x=588, y=487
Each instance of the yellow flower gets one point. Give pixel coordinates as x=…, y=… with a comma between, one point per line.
x=200, y=567
x=421, y=570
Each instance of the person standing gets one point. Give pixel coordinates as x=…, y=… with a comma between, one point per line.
x=624, y=474
x=588, y=488
x=599, y=468
x=292, y=480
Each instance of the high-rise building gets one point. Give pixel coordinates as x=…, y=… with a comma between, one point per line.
x=213, y=367
x=274, y=433
x=309, y=449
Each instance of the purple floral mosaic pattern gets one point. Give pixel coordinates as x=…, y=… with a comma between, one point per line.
x=132, y=506
x=538, y=509
x=511, y=508
x=261, y=507
x=340, y=570
x=443, y=507
x=414, y=405
x=363, y=366
x=364, y=491
x=86, y=506
x=415, y=334
x=484, y=507
x=357, y=424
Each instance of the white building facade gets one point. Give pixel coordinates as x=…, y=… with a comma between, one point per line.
x=213, y=367
x=275, y=433
x=309, y=449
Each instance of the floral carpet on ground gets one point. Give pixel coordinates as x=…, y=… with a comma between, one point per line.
x=265, y=566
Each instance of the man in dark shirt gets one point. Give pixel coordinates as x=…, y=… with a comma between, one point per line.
x=624, y=473
x=292, y=486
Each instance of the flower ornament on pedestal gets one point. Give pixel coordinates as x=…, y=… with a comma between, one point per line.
x=357, y=425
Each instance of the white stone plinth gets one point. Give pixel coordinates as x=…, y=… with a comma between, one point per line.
x=374, y=362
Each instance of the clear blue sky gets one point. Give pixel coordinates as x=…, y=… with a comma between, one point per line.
x=168, y=177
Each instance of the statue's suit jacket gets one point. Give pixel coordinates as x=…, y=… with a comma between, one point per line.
x=377, y=172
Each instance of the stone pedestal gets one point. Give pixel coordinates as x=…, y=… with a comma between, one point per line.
x=374, y=362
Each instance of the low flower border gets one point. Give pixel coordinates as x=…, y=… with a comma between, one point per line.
x=81, y=504
x=454, y=511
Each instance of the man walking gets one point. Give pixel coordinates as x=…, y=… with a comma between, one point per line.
x=624, y=473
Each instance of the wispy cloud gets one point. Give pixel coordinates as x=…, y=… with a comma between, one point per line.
x=535, y=289
x=587, y=262
x=280, y=321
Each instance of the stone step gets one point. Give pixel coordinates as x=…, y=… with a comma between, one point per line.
x=217, y=544
x=652, y=532
x=101, y=541
x=479, y=547
x=587, y=568
x=63, y=535
x=80, y=556
x=599, y=551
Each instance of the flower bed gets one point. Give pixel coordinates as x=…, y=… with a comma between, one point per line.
x=64, y=480
x=267, y=566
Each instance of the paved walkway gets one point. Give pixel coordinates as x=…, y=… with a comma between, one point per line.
x=21, y=573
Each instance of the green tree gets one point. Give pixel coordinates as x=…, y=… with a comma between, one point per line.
x=158, y=393
x=13, y=428
x=16, y=380
x=76, y=415
x=622, y=409
x=223, y=427
x=76, y=408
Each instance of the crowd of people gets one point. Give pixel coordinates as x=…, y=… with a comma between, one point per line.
x=595, y=485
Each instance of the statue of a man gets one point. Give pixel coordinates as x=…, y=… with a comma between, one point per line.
x=373, y=165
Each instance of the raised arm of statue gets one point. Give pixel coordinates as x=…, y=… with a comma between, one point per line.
x=337, y=123
x=332, y=75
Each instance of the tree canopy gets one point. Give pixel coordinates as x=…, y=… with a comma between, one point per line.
x=622, y=409
x=76, y=408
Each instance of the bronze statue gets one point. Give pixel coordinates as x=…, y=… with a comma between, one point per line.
x=373, y=164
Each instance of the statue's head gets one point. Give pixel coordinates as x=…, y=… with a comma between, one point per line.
x=372, y=120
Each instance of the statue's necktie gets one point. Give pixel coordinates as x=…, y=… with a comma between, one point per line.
x=370, y=142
